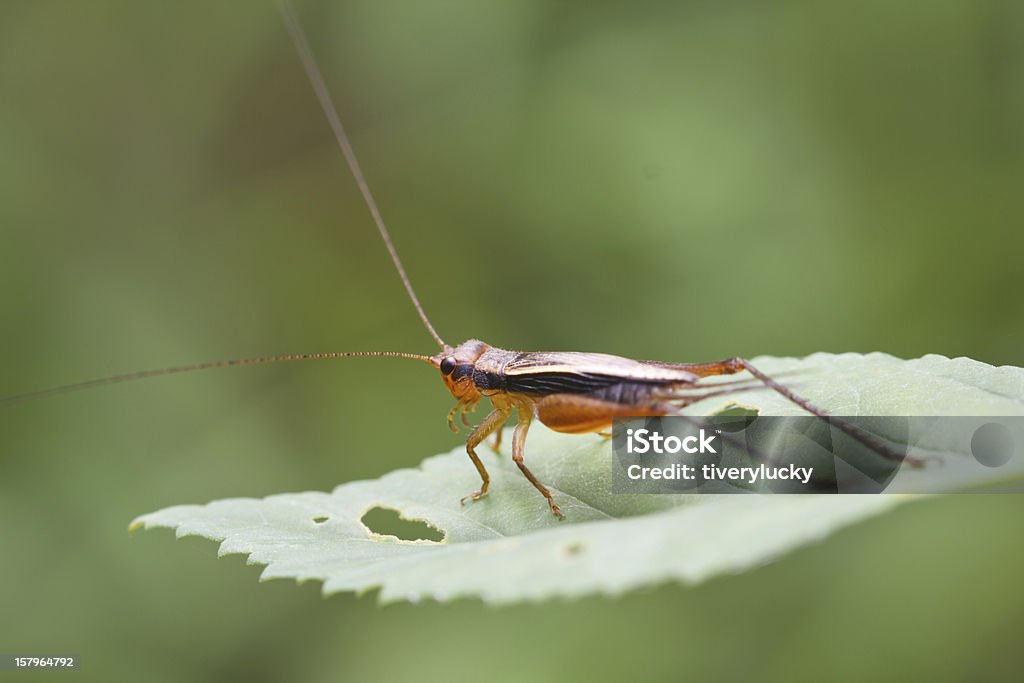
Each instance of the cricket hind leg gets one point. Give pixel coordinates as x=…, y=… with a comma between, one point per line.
x=494, y=420
x=733, y=365
x=518, y=451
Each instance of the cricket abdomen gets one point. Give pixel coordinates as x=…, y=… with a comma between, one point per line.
x=631, y=393
x=578, y=414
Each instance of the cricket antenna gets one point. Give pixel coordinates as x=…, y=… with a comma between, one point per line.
x=132, y=376
x=316, y=79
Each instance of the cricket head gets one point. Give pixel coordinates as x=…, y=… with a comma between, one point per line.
x=456, y=367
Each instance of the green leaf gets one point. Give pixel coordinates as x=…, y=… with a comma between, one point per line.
x=508, y=547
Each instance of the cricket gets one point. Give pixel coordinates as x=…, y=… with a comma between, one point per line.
x=570, y=392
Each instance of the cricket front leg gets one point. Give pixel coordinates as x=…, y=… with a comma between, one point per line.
x=491, y=423
x=518, y=450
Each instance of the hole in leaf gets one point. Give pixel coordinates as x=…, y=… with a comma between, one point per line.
x=387, y=522
x=320, y=519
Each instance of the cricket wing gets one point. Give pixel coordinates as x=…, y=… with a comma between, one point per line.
x=603, y=367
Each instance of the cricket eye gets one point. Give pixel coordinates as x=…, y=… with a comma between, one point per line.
x=448, y=365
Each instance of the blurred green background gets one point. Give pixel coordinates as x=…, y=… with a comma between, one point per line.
x=676, y=180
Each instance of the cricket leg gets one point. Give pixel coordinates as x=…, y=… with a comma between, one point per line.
x=518, y=449
x=451, y=416
x=492, y=422
x=866, y=438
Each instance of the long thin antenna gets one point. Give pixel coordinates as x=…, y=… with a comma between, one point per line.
x=131, y=376
x=316, y=79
